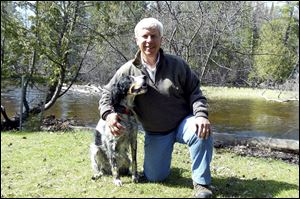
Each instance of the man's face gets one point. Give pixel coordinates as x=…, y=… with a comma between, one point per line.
x=149, y=41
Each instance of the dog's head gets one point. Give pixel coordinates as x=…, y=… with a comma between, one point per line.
x=138, y=85
x=128, y=86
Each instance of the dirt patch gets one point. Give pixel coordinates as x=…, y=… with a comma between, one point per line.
x=252, y=151
x=50, y=123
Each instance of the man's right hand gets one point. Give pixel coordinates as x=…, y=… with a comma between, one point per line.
x=112, y=121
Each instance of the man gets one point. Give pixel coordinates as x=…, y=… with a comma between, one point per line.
x=172, y=110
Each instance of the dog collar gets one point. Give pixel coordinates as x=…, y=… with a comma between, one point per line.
x=123, y=110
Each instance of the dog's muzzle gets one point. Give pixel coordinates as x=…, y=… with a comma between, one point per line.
x=138, y=89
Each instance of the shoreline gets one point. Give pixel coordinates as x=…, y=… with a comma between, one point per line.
x=213, y=92
x=222, y=142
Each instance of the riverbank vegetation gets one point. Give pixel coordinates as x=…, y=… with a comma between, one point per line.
x=249, y=93
x=57, y=164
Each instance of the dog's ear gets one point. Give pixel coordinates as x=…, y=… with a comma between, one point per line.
x=120, y=89
x=124, y=84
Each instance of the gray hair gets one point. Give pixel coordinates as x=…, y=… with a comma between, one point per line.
x=148, y=23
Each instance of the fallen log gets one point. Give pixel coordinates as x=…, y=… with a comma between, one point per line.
x=285, y=145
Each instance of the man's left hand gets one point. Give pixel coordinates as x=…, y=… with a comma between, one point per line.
x=203, y=127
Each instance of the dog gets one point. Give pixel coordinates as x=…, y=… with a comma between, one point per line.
x=109, y=154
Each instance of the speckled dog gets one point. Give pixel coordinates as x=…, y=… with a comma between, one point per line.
x=109, y=154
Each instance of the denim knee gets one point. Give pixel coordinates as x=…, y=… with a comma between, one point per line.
x=156, y=176
x=158, y=155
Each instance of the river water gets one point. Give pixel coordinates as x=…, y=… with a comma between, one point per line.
x=244, y=117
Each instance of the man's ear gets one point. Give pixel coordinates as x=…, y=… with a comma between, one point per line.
x=136, y=40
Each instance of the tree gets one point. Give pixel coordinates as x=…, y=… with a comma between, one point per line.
x=276, y=54
x=112, y=25
x=208, y=36
x=52, y=50
x=12, y=44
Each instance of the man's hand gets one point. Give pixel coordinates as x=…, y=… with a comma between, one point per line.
x=203, y=127
x=112, y=121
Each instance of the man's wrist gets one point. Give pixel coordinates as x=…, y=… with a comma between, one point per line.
x=104, y=115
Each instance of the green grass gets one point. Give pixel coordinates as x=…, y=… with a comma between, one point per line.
x=44, y=164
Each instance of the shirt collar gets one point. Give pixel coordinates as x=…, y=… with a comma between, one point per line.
x=137, y=58
x=147, y=65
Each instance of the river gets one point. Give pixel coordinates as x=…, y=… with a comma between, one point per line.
x=244, y=117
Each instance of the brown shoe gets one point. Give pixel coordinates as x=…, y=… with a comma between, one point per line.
x=202, y=191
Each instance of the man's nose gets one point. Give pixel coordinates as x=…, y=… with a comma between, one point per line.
x=149, y=38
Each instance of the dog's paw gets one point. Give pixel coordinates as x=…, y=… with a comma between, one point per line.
x=96, y=176
x=118, y=182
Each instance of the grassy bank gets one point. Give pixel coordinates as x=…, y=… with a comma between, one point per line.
x=248, y=93
x=43, y=164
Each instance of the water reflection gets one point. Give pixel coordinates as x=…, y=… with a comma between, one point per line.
x=247, y=117
x=256, y=118
x=78, y=106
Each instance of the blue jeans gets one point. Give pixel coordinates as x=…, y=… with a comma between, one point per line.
x=158, y=153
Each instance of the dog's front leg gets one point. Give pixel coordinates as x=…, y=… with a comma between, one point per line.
x=114, y=166
x=133, y=145
x=96, y=158
x=115, y=172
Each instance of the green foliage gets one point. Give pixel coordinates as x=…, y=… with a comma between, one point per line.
x=33, y=123
x=216, y=37
x=276, y=53
x=111, y=24
x=14, y=46
x=115, y=18
x=53, y=35
x=44, y=164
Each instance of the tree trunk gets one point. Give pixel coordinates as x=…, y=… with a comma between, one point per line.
x=8, y=124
